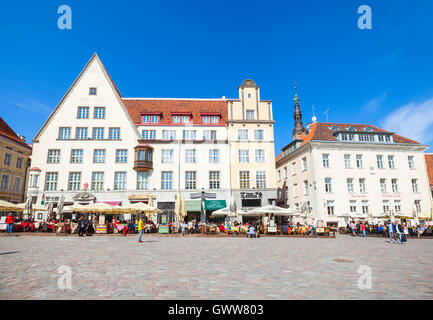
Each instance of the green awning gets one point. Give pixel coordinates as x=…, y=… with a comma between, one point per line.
x=193, y=205
x=214, y=204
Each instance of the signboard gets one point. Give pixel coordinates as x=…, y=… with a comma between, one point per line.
x=101, y=229
x=214, y=204
x=193, y=205
x=163, y=229
x=251, y=195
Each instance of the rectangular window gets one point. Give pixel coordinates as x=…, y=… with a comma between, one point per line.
x=121, y=156
x=53, y=156
x=17, y=184
x=65, y=133
x=142, y=180
x=306, y=188
x=391, y=163
x=259, y=135
x=415, y=185
x=328, y=185
x=148, y=134
x=418, y=206
x=185, y=119
x=352, y=206
x=114, y=133
x=189, y=134
x=98, y=133
x=293, y=168
x=92, y=92
x=176, y=119
x=383, y=185
x=166, y=180
x=5, y=181
x=215, y=119
x=146, y=119
x=242, y=134
x=120, y=181
x=350, y=185
x=279, y=175
x=362, y=186
x=99, y=156
x=209, y=135
x=83, y=113
x=51, y=181
x=81, y=134
x=365, y=207
x=206, y=119
x=261, y=179
x=169, y=134
x=244, y=179
x=214, y=156
x=304, y=164
x=74, y=181
x=388, y=138
x=167, y=156
x=285, y=173
x=411, y=162
x=380, y=136
x=20, y=162
x=260, y=156
x=214, y=179
x=190, y=156
x=77, y=156
x=347, y=161
x=397, y=206
x=385, y=206
x=250, y=114
x=243, y=156
x=359, y=161
x=330, y=208
x=394, y=185
x=154, y=119
x=379, y=159
x=190, y=180
x=325, y=159
x=97, y=181
x=99, y=113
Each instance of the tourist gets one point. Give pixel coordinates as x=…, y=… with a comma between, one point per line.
x=81, y=226
x=140, y=229
x=391, y=231
x=10, y=222
x=183, y=226
x=353, y=227
x=125, y=229
x=251, y=232
x=398, y=231
x=363, y=229
x=420, y=230
x=405, y=232
x=313, y=228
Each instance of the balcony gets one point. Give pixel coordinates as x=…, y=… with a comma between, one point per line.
x=143, y=158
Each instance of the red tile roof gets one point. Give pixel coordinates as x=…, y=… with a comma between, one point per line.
x=279, y=157
x=8, y=133
x=429, y=164
x=136, y=107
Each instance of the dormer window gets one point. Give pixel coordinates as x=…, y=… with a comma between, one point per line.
x=351, y=129
x=181, y=117
x=335, y=128
x=92, y=91
x=151, y=118
x=368, y=129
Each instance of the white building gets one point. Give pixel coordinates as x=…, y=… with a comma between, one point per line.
x=134, y=149
x=337, y=169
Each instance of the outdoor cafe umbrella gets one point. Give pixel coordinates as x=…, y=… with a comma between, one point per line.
x=141, y=207
x=50, y=209
x=60, y=207
x=4, y=206
x=28, y=208
x=93, y=208
x=180, y=207
x=226, y=212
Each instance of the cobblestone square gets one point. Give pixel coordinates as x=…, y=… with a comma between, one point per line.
x=110, y=267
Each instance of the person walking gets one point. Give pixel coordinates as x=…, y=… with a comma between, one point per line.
x=183, y=227
x=140, y=229
x=391, y=231
x=10, y=222
x=314, y=227
x=353, y=228
x=81, y=226
x=398, y=231
x=363, y=229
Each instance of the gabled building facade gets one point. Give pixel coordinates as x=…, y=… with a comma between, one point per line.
x=14, y=163
x=337, y=169
x=124, y=150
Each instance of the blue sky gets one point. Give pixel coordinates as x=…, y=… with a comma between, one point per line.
x=200, y=49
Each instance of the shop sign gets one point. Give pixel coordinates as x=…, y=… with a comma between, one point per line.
x=214, y=204
x=251, y=195
x=193, y=205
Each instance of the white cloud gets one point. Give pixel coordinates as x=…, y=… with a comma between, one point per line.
x=374, y=104
x=414, y=121
x=34, y=106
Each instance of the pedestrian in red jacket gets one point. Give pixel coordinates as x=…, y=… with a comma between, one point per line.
x=10, y=222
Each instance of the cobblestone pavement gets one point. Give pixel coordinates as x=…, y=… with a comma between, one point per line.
x=214, y=268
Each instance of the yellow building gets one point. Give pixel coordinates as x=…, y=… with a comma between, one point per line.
x=251, y=139
x=14, y=162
